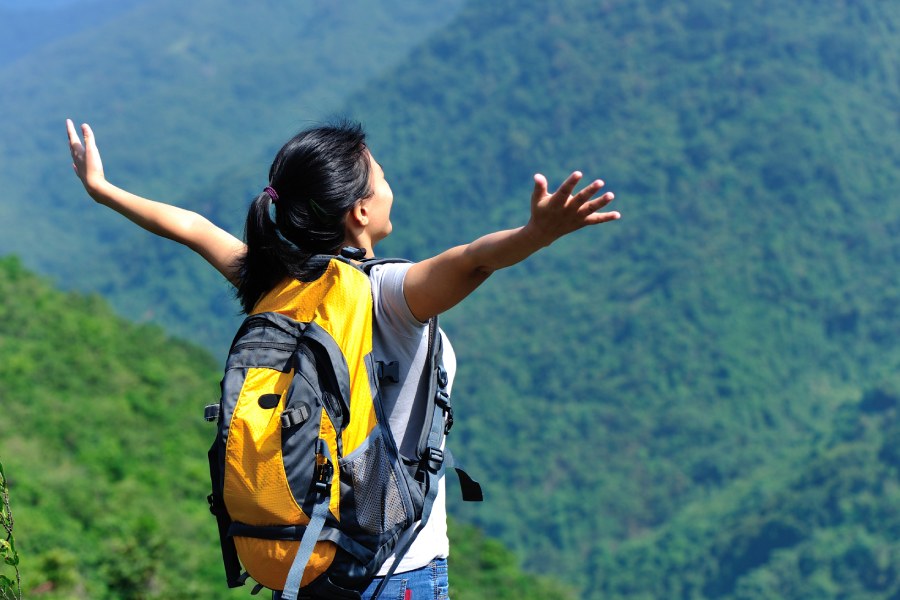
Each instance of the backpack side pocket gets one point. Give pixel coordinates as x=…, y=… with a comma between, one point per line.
x=375, y=496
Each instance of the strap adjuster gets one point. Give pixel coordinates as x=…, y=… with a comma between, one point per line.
x=297, y=415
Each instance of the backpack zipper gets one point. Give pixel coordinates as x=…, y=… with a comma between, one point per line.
x=275, y=345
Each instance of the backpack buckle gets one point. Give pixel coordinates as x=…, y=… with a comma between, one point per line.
x=215, y=507
x=388, y=370
x=324, y=473
x=211, y=412
x=432, y=459
x=442, y=399
x=353, y=253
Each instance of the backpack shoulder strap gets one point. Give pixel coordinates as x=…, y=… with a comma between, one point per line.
x=368, y=264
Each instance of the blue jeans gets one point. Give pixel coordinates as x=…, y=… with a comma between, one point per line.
x=428, y=583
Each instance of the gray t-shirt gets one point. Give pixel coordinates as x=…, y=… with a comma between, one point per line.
x=399, y=336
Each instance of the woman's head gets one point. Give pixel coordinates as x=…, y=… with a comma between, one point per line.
x=319, y=176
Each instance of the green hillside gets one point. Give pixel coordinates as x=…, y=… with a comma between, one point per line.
x=104, y=445
x=821, y=525
x=658, y=408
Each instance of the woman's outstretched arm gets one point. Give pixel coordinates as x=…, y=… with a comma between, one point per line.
x=220, y=249
x=439, y=283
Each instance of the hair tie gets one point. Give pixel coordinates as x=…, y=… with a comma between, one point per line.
x=272, y=193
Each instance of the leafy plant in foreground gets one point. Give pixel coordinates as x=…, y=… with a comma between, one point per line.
x=9, y=589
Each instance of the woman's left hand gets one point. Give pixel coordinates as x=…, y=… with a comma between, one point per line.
x=557, y=214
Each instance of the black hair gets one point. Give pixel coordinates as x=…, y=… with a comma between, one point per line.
x=318, y=175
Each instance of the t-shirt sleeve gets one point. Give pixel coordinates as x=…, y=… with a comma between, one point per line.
x=391, y=309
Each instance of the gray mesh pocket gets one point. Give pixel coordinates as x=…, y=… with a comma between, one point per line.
x=376, y=491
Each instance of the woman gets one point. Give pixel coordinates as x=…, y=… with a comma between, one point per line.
x=326, y=192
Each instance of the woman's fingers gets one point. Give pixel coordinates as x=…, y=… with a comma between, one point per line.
x=605, y=217
x=564, y=212
x=88, y=133
x=540, y=188
x=73, y=136
x=75, y=148
x=589, y=190
x=85, y=156
x=568, y=186
x=592, y=206
x=74, y=141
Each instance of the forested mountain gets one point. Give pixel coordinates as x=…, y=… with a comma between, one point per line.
x=104, y=445
x=642, y=374
x=181, y=95
x=696, y=401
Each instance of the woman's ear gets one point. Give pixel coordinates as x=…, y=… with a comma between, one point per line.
x=355, y=224
x=360, y=214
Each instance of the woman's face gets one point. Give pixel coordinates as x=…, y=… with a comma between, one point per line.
x=378, y=205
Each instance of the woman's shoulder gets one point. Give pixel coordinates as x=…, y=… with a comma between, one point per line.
x=389, y=302
x=388, y=276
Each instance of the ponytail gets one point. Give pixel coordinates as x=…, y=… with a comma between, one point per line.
x=261, y=269
x=317, y=177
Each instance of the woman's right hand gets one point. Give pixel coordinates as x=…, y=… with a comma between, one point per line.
x=221, y=249
x=86, y=159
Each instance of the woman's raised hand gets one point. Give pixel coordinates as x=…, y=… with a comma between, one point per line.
x=86, y=158
x=443, y=281
x=557, y=214
x=220, y=249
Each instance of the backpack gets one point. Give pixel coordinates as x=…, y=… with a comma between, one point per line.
x=309, y=489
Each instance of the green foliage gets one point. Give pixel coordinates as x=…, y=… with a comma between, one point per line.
x=823, y=525
x=10, y=587
x=102, y=427
x=481, y=567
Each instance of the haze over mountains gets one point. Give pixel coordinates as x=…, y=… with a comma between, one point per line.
x=680, y=398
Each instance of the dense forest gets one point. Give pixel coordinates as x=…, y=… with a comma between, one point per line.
x=666, y=364
x=699, y=401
